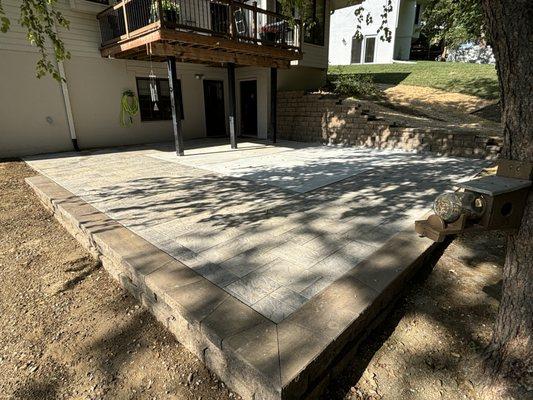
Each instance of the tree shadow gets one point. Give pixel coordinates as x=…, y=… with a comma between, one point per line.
x=207, y=219
x=390, y=78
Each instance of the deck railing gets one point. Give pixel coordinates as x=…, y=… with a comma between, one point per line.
x=225, y=18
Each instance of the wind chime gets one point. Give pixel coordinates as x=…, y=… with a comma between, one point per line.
x=153, y=84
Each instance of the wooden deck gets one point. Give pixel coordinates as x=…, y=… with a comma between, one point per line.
x=215, y=32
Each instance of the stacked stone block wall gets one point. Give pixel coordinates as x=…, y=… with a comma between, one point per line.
x=329, y=120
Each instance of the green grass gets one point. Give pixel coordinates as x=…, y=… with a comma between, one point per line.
x=474, y=79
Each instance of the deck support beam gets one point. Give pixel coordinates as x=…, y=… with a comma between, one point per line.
x=232, y=106
x=175, y=104
x=274, y=103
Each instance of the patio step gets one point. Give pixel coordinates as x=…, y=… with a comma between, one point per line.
x=254, y=356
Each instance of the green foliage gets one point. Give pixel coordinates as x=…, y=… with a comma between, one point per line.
x=4, y=21
x=475, y=79
x=41, y=18
x=453, y=21
x=353, y=84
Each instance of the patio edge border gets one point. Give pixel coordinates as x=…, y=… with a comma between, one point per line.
x=252, y=355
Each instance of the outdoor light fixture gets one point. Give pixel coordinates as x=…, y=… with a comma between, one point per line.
x=450, y=206
x=487, y=203
x=199, y=76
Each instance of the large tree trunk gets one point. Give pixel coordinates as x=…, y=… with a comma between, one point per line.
x=510, y=29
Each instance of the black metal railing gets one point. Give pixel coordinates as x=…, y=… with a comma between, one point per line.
x=227, y=18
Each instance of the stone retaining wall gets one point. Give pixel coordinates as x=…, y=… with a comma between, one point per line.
x=329, y=120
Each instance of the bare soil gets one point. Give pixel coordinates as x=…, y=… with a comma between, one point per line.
x=426, y=107
x=68, y=331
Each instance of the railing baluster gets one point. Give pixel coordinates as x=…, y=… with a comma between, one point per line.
x=125, y=20
x=234, y=20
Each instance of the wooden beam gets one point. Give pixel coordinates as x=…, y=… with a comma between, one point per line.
x=175, y=104
x=230, y=45
x=215, y=56
x=232, y=106
x=111, y=50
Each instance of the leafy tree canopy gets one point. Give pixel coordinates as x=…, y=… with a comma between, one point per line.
x=453, y=21
x=41, y=19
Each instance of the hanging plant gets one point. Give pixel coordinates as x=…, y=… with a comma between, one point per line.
x=129, y=107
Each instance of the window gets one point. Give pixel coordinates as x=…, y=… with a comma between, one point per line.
x=146, y=106
x=370, y=47
x=417, y=14
x=357, y=45
x=104, y=2
x=314, y=19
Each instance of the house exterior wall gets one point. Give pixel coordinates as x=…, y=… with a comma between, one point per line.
x=401, y=23
x=27, y=102
x=405, y=30
x=34, y=116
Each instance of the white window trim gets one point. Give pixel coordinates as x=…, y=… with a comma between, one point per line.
x=363, y=50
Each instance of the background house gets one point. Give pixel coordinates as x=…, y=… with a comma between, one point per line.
x=346, y=49
x=41, y=115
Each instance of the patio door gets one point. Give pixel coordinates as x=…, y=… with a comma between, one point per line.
x=215, y=114
x=248, y=108
x=370, y=49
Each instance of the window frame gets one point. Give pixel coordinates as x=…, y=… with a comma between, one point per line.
x=364, y=57
x=145, y=118
x=418, y=8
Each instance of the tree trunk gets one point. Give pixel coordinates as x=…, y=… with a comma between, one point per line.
x=510, y=29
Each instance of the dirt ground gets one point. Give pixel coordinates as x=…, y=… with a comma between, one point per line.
x=427, y=107
x=69, y=332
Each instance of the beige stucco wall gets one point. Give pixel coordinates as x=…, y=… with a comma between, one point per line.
x=301, y=78
x=25, y=104
x=96, y=86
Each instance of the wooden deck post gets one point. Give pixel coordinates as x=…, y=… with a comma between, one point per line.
x=232, y=107
x=274, y=102
x=175, y=104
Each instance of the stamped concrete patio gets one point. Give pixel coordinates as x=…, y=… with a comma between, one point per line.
x=276, y=257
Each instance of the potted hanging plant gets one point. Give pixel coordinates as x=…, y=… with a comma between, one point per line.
x=169, y=8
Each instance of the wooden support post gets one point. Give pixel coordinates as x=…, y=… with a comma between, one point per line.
x=175, y=104
x=274, y=102
x=232, y=107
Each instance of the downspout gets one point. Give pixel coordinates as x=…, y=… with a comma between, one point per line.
x=68, y=107
x=66, y=99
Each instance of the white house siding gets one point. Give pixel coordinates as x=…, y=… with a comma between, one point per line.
x=405, y=30
x=343, y=27
x=401, y=23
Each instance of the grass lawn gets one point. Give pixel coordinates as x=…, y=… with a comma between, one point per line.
x=474, y=79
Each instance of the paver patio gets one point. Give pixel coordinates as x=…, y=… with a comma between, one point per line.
x=271, y=226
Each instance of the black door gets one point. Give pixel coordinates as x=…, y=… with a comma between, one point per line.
x=249, y=108
x=215, y=116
